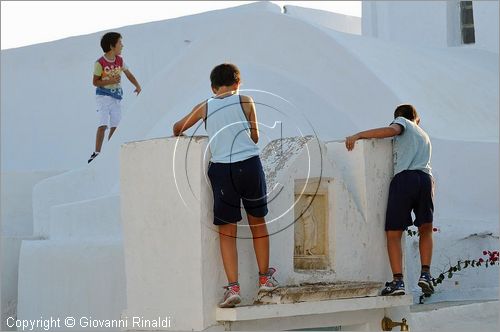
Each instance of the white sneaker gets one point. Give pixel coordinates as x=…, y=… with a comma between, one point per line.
x=231, y=297
x=268, y=283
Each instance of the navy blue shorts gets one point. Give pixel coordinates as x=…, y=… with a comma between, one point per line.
x=410, y=191
x=235, y=182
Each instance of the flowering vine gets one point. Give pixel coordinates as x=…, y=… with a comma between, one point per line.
x=490, y=257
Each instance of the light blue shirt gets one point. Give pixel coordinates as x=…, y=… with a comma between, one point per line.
x=228, y=130
x=412, y=148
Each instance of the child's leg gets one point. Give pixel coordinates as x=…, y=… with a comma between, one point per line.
x=260, y=242
x=394, y=250
x=99, y=138
x=111, y=132
x=227, y=235
x=425, y=247
x=115, y=116
x=425, y=244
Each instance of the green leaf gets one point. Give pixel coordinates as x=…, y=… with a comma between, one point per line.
x=450, y=275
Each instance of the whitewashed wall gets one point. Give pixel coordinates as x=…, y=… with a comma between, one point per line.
x=169, y=237
x=336, y=83
x=486, y=24
x=335, y=21
x=429, y=23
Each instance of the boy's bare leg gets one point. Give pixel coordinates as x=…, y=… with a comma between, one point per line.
x=260, y=242
x=227, y=235
x=111, y=132
x=99, y=138
x=425, y=244
x=394, y=250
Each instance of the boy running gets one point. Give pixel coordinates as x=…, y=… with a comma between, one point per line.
x=107, y=77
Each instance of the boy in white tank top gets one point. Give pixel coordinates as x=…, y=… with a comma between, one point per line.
x=235, y=173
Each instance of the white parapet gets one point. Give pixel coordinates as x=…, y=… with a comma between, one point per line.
x=165, y=227
x=172, y=259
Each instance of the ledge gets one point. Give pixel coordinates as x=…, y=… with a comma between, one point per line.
x=319, y=292
x=253, y=312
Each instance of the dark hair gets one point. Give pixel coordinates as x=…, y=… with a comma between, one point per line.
x=225, y=74
x=109, y=39
x=406, y=111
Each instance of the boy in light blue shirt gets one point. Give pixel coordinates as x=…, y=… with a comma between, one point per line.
x=411, y=189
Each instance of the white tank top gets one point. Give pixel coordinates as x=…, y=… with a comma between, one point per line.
x=228, y=130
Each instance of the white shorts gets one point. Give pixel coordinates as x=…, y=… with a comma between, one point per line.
x=109, y=111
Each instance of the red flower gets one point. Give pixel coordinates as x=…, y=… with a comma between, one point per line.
x=485, y=252
x=481, y=260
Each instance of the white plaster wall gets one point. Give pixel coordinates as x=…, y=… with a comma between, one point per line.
x=62, y=278
x=10, y=250
x=338, y=22
x=430, y=23
x=347, y=321
x=450, y=160
x=406, y=22
x=63, y=118
x=17, y=225
x=486, y=24
x=473, y=283
x=162, y=230
x=158, y=243
x=443, y=84
x=360, y=236
x=467, y=317
x=95, y=218
x=340, y=83
x=17, y=202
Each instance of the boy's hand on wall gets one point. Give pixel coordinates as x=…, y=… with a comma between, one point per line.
x=350, y=141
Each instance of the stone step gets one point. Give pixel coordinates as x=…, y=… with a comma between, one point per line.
x=319, y=292
x=290, y=310
x=93, y=218
x=71, y=278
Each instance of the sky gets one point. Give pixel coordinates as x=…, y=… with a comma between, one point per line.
x=30, y=22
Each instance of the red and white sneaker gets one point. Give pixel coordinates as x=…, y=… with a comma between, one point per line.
x=231, y=297
x=268, y=283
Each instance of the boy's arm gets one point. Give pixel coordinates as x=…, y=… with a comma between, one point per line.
x=97, y=79
x=133, y=80
x=99, y=82
x=249, y=108
x=189, y=120
x=391, y=131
